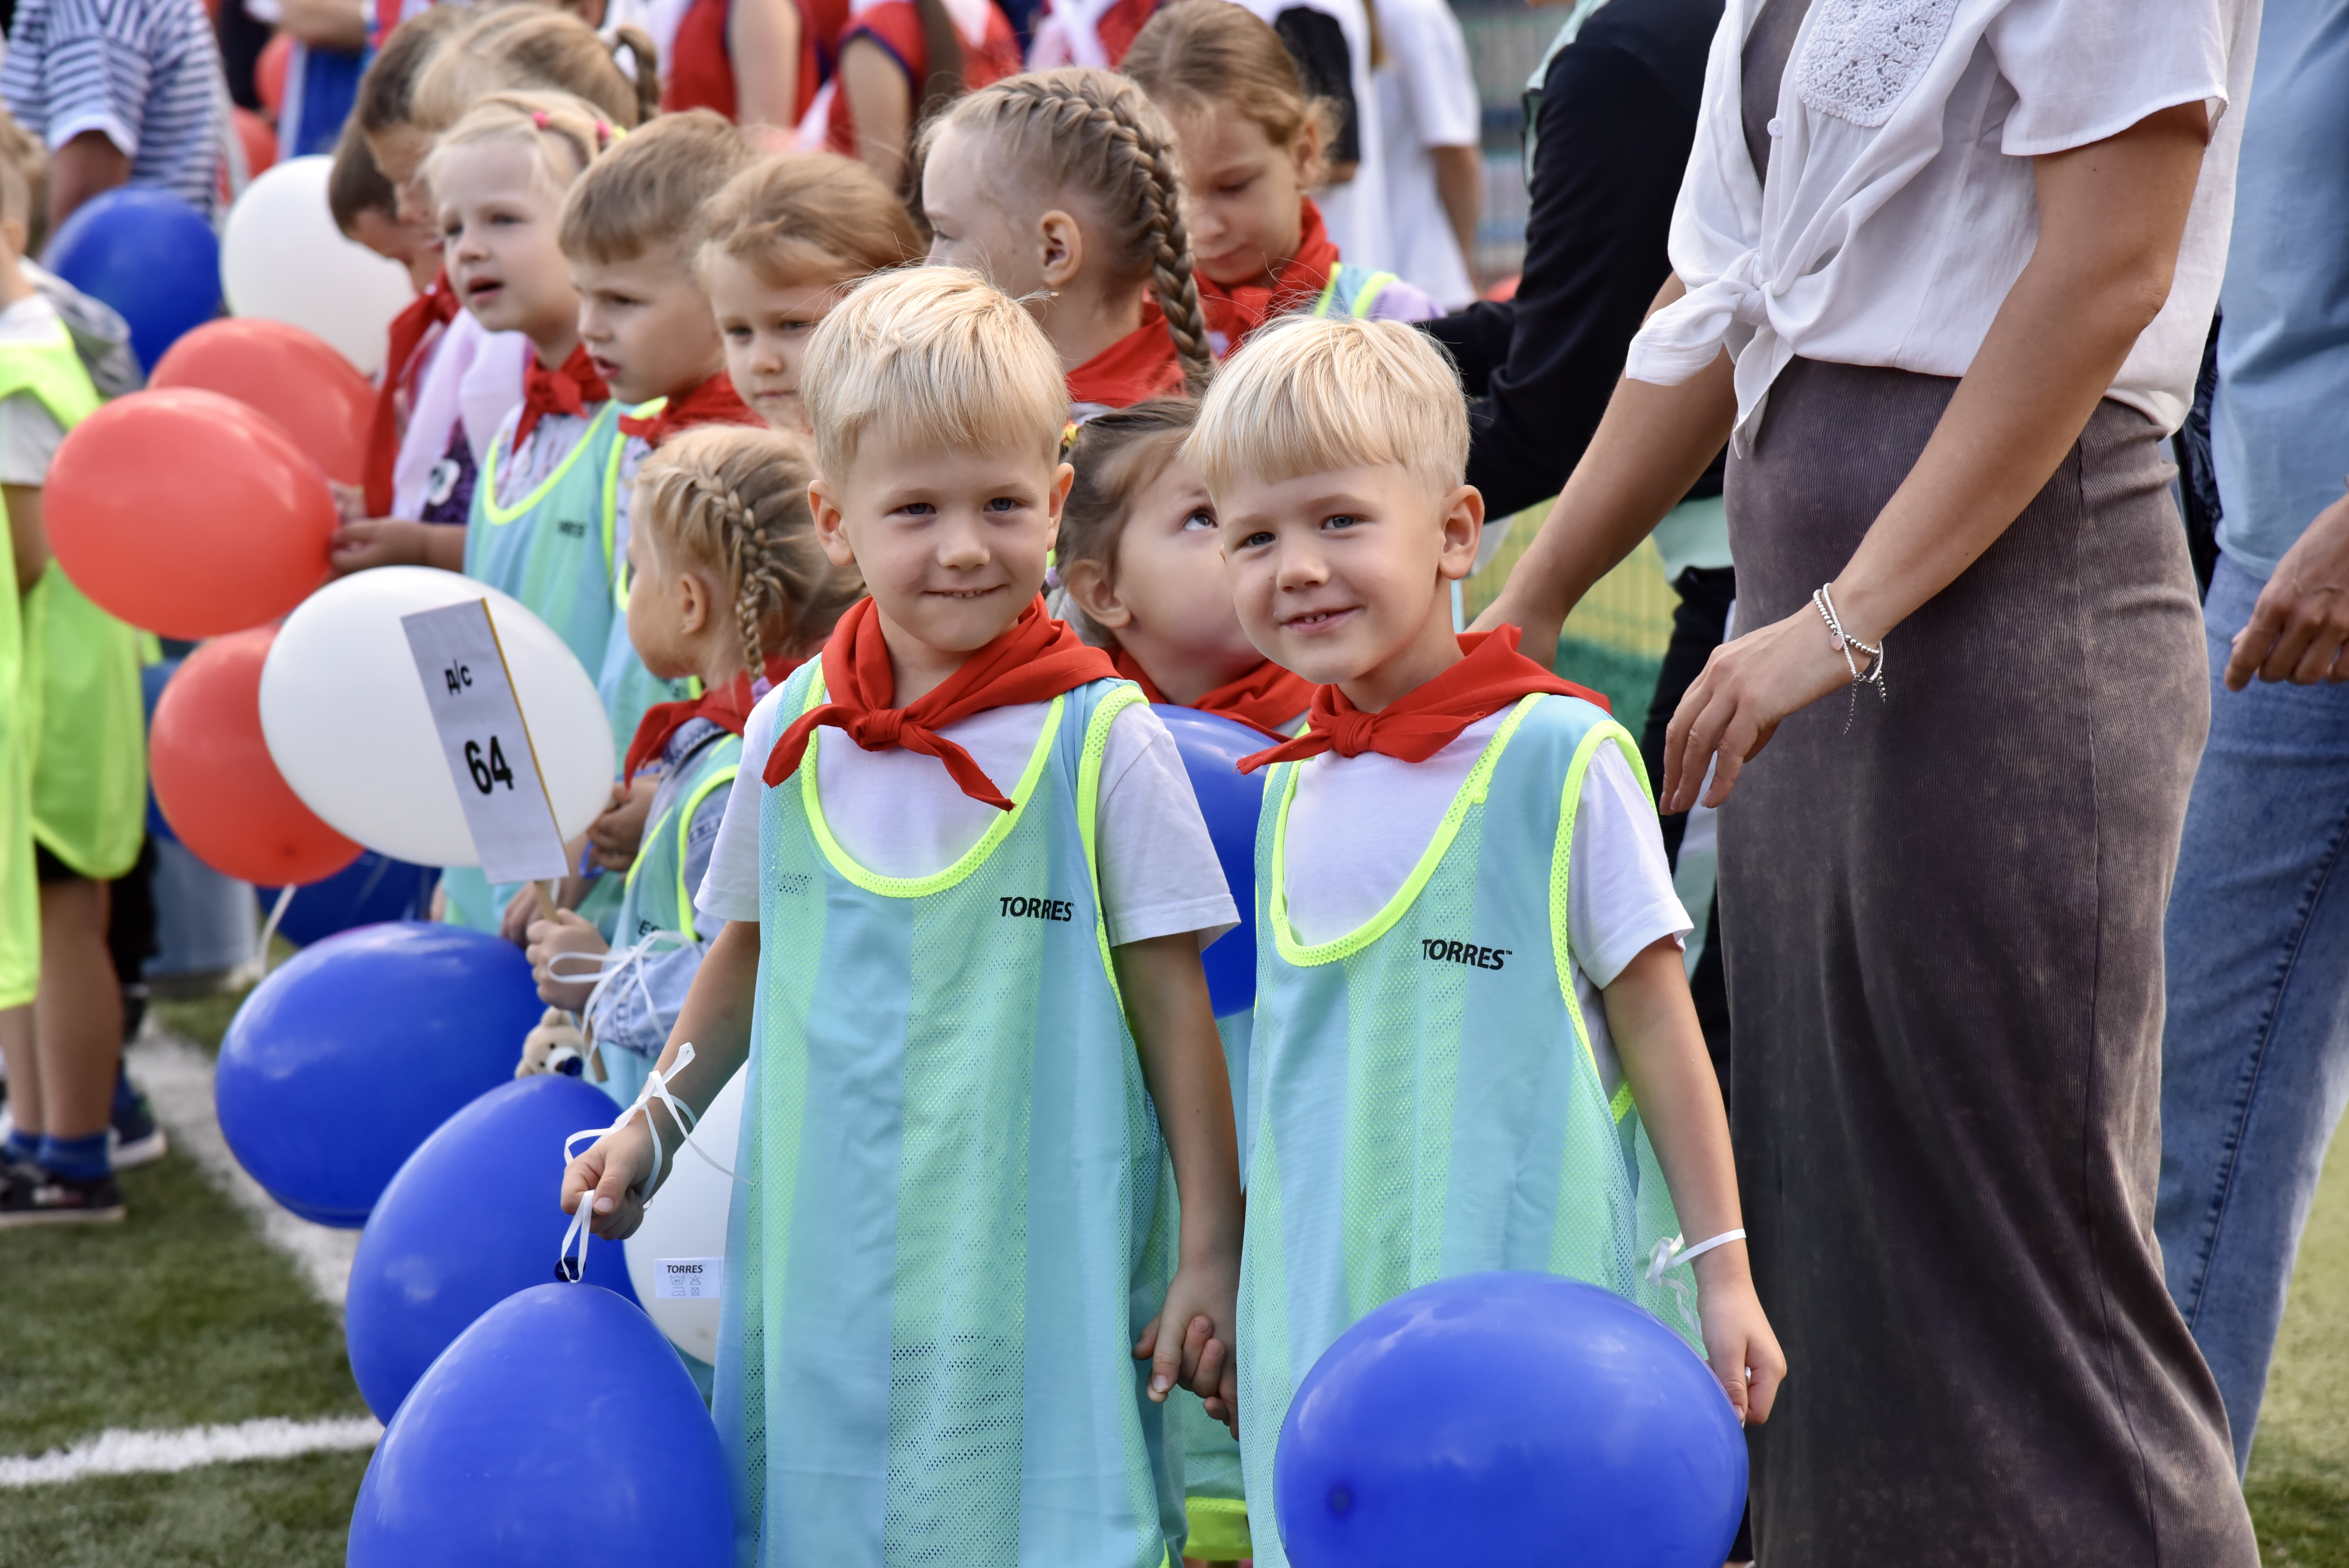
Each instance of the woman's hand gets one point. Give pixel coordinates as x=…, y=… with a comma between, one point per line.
x=549, y=940
x=1738, y=1341
x=2298, y=628
x=615, y=837
x=1737, y=703
x=1191, y=1343
x=617, y=1176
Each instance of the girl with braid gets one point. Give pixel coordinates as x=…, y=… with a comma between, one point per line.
x=731, y=586
x=1064, y=189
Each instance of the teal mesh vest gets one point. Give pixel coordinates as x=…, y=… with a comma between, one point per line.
x=955, y=1228
x=1425, y=1099
x=628, y=689
x=1351, y=290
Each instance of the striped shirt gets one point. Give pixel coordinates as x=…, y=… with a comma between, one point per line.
x=144, y=72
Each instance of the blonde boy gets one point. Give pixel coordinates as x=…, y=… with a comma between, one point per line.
x=967, y=888
x=1471, y=1016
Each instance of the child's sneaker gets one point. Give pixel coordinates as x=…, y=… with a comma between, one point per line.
x=38, y=1197
x=138, y=1138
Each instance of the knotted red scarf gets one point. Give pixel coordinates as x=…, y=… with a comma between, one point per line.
x=572, y=388
x=1295, y=283
x=1034, y=660
x=1490, y=675
x=729, y=708
x=714, y=402
x=1142, y=364
x=1264, y=699
x=435, y=307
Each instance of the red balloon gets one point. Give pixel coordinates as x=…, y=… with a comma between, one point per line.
x=258, y=137
x=215, y=781
x=294, y=377
x=188, y=513
x=269, y=73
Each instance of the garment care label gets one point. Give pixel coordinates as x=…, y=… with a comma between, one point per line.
x=687, y=1279
x=486, y=741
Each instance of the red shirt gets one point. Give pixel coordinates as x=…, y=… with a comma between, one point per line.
x=701, y=71
x=897, y=27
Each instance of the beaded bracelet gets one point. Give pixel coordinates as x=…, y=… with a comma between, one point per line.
x=1842, y=642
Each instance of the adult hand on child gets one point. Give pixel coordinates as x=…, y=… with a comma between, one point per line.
x=1738, y=1341
x=1191, y=1342
x=617, y=1176
x=615, y=837
x=548, y=939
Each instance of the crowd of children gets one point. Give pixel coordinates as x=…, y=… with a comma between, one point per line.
x=916, y=851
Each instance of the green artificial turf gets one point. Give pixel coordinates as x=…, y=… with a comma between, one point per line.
x=1627, y=681
x=277, y=1513
x=2299, y=1485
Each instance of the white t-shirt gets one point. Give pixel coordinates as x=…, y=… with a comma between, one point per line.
x=1358, y=826
x=29, y=434
x=899, y=814
x=1901, y=208
x=1427, y=99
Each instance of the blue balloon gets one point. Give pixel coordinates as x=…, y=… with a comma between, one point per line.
x=1507, y=1419
x=150, y=256
x=472, y=1218
x=1230, y=799
x=370, y=890
x=344, y=1060
x=560, y=1431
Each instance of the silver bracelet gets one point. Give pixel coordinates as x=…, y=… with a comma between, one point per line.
x=1843, y=642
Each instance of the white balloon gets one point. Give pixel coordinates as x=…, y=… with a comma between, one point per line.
x=343, y=710
x=282, y=258
x=687, y=1219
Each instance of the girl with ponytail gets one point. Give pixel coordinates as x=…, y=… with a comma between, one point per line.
x=1064, y=189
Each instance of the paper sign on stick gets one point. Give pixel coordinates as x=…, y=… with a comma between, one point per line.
x=486, y=741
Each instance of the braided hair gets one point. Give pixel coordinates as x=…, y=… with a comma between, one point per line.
x=1096, y=132
x=733, y=501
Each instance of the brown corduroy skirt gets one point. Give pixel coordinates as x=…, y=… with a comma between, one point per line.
x=1943, y=936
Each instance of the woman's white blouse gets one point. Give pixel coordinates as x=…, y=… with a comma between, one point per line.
x=1900, y=207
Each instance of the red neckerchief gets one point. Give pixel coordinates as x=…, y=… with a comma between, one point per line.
x=728, y=709
x=1035, y=659
x=714, y=402
x=571, y=389
x=435, y=307
x=1264, y=699
x=1142, y=364
x=1413, y=728
x=1295, y=283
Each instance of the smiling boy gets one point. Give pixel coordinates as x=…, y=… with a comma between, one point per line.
x=966, y=887
x=1474, y=1047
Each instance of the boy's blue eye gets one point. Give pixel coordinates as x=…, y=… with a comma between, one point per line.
x=1256, y=540
x=1201, y=519
x=1340, y=519
x=1004, y=503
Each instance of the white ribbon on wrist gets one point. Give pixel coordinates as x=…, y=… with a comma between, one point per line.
x=628, y=962
x=1671, y=1253
x=655, y=1089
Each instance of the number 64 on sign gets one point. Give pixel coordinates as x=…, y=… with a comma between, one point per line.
x=486, y=739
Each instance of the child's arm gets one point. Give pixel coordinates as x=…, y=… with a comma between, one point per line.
x=395, y=542
x=618, y=1169
x=1174, y=1025
x=1662, y=1050
x=28, y=534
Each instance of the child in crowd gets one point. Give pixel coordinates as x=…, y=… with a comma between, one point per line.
x=1060, y=189
x=968, y=883
x=366, y=209
x=1254, y=142
x=531, y=47
x=902, y=62
x=786, y=238
x=731, y=588
x=541, y=527
x=754, y=62
x=1462, y=970
x=72, y=772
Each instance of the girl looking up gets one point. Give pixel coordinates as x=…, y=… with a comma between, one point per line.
x=1254, y=142
x=785, y=238
x=1062, y=188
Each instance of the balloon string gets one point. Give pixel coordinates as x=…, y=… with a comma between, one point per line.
x=1671, y=1253
x=610, y=967
x=269, y=926
x=655, y=1089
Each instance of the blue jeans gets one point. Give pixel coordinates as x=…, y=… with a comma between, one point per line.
x=2255, y=1055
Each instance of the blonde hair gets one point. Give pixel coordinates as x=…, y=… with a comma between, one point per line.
x=1194, y=53
x=387, y=91
x=24, y=171
x=940, y=355
x=797, y=218
x=1305, y=395
x=563, y=134
x=650, y=190
x=1096, y=132
x=734, y=502
x=532, y=48
x=1116, y=455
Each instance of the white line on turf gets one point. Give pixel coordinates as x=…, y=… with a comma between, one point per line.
x=178, y=1077
x=118, y=1450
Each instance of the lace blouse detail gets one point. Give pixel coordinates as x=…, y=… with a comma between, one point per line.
x=1863, y=55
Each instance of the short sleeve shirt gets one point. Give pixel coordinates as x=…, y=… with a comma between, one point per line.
x=145, y=74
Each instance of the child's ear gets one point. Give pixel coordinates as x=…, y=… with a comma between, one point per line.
x=830, y=527
x=696, y=603
x=1063, y=245
x=1058, y=497
x=1089, y=588
x=1463, y=529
